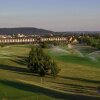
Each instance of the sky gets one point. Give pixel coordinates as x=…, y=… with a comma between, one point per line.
x=55, y=15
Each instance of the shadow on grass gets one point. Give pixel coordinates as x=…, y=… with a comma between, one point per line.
x=81, y=79
x=19, y=70
x=90, y=90
x=23, y=61
x=20, y=60
x=41, y=90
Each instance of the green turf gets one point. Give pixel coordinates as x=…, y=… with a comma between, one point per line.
x=79, y=76
x=12, y=90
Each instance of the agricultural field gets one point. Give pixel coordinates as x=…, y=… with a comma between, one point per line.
x=79, y=78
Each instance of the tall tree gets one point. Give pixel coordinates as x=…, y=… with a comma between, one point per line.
x=40, y=63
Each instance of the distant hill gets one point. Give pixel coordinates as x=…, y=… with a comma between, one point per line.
x=24, y=30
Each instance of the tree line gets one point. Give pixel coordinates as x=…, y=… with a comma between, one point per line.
x=93, y=41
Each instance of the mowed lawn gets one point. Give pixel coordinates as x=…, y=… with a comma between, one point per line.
x=79, y=77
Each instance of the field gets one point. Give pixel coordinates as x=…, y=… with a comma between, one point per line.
x=79, y=78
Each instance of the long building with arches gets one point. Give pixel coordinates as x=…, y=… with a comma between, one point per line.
x=32, y=40
x=19, y=40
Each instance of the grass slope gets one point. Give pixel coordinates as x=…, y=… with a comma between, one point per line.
x=79, y=77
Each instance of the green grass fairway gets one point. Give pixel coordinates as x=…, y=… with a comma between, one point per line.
x=12, y=90
x=79, y=78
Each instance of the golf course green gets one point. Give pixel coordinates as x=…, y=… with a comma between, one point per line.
x=79, y=78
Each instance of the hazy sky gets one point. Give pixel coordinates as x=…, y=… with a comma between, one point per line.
x=56, y=15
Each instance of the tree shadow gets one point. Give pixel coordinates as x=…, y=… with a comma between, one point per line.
x=81, y=79
x=74, y=88
x=19, y=70
x=20, y=60
x=47, y=92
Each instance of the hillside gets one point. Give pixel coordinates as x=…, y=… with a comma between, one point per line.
x=79, y=78
x=23, y=30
